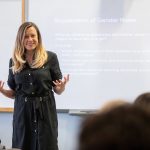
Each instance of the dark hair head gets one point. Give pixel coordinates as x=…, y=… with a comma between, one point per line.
x=122, y=128
x=143, y=99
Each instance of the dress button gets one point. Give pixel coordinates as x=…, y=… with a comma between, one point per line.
x=35, y=121
x=29, y=74
x=32, y=93
x=25, y=100
x=35, y=131
x=40, y=99
x=30, y=83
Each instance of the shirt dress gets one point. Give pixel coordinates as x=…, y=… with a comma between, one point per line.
x=35, y=125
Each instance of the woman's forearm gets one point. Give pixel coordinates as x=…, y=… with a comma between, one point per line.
x=8, y=93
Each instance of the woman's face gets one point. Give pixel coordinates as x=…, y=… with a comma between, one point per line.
x=30, y=39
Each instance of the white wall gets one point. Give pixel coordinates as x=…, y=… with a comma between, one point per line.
x=10, y=15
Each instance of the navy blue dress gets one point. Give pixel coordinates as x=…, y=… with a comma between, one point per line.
x=35, y=125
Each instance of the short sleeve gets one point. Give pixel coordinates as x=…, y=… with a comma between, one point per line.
x=11, y=79
x=55, y=69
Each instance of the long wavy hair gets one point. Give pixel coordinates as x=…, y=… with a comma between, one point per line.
x=40, y=55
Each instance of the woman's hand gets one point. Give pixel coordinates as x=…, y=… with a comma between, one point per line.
x=8, y=93
x=1, y=85
x=60, y=84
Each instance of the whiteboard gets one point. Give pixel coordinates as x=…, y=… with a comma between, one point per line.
x=10, y=14
x=102, y=44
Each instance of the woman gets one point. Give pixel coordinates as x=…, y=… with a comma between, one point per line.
x=33, y=76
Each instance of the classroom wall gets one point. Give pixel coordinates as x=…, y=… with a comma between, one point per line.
x=68, y=129
x=69, y=124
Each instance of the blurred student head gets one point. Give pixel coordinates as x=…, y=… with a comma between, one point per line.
x=125, y=127
x=143, y=100
x=112, y=104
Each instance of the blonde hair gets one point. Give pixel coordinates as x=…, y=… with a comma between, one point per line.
x=40, y=56
x=113, y=104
